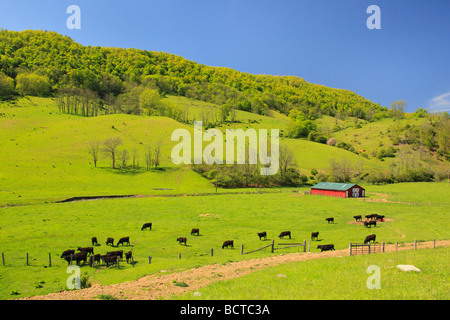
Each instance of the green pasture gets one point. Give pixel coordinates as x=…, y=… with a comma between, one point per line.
x=45, y=154
x=343, y=278
x=52, y=228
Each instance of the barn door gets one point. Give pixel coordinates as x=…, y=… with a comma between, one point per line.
x=355, y=193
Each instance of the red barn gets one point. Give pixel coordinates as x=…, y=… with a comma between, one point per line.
x=342, y=190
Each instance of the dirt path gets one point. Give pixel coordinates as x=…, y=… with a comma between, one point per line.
x=161, y=286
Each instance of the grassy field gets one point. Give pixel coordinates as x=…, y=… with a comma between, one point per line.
x=51, y=228
x=343, y=278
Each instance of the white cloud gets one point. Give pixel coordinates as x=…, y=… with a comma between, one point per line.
x=440, y=103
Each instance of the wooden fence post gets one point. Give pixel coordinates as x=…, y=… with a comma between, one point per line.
x=273, y=243
x=434, y=243
x=309, y=246
x=27, y=258
x=304, y=245
x=212, y=252
x=415, y=244
x=49, y=259
x=149, y=259
x=242, y=249
x=3, y=258
x=383, y=246
x=350, y=247
x=179, y=256
x=118, y=258
x=396, y=246
x=132, y=261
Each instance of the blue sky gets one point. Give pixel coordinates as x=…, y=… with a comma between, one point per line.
x=323, y=41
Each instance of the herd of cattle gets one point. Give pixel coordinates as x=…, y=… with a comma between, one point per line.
x=112, y=257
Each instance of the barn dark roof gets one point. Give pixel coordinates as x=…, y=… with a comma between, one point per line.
x=333, y=186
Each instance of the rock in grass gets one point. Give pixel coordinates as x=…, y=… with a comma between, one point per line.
x=408, y=267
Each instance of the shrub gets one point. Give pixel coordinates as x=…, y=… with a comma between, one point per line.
x=331, y=142
x=6, y=86
x=33, y=85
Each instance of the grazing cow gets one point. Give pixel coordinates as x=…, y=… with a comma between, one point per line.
x=123, y=240
x=284, y=234
x=262, y=235
x=195, y=231
x=357, y=218
x=182, y=240
x=67, y=253
x=86, y=249
x=109, y=259
x=93, y=259
x=228, y=243
x=110, y=241
x=94, y=241
x=115, y=253
x=314, y=235
x=80, y=256
x=147, y=225
x=370, y=223
x=370, y=216
x=370, y=238
x=128, y=255
x=330, y=220
x=380, y=218
x=325, y=247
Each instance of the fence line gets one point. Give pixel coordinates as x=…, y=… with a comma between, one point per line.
x=354, y=249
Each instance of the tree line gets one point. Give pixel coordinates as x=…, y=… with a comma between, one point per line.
x=125, y=159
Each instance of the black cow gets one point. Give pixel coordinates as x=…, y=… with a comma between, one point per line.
x=369, y=238
x=86, y=249
x=110, y=241
x=147, y=225
x=109, y=259
x=228, y=243
x=93, y=259
x=67, y=253
x=357, y=218
x=284, y=234
x=370, y=223
x=94, y=241
x=370, y=216
x=69, y=257
x=262, y=235
x=123, y=240
x=314, y=235
x=80, y=256
x=195, y=231
x=128, y=255
x=115, y=253
x=380, y=218
x=330, y=220
x=325, y=247
x=182, y=240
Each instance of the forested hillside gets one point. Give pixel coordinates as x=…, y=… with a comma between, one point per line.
x=44, y=63
x=350, y=137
